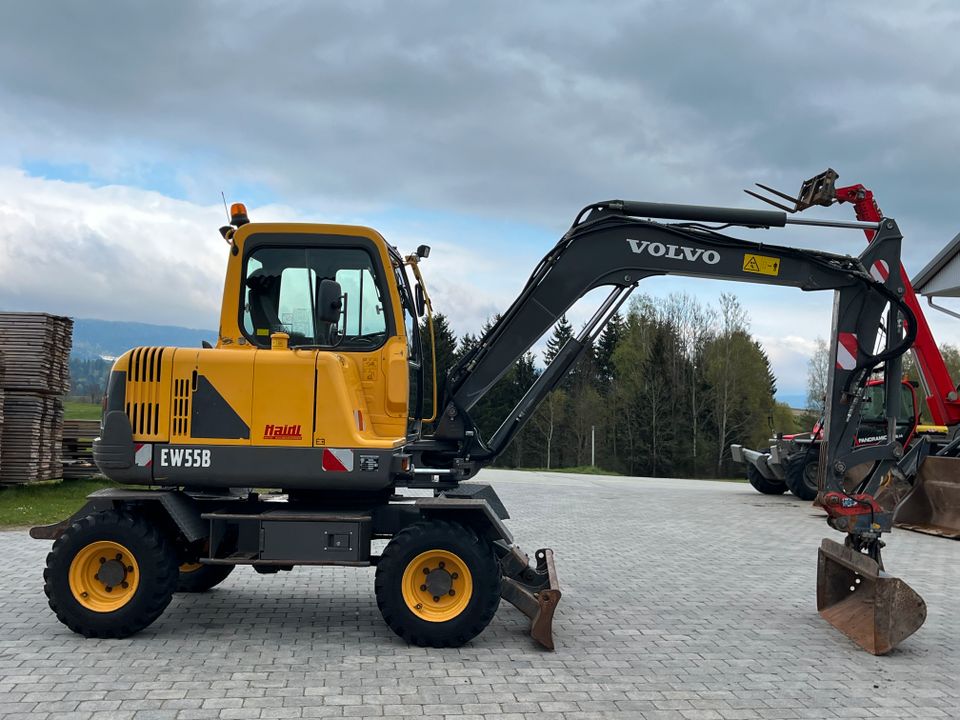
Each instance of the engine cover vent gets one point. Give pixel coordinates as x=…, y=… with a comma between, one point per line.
x=148, y=393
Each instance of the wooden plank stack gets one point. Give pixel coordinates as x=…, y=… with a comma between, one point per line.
x=2, y=369
x=36, y=354
x=78, y=438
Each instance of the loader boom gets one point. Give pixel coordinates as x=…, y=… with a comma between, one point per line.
x=938, y=387
x=940, y=391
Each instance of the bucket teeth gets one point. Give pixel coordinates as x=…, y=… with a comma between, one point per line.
x=875, y=610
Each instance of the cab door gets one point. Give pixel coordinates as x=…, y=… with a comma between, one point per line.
x=284, y=372
x=283, y=398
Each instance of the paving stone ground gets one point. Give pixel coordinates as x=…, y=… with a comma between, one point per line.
x=683, y=600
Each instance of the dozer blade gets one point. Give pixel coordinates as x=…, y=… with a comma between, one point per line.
x=933, y=506
x=875, y=610
x=535, y=592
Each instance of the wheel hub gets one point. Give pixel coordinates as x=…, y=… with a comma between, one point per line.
x=103, y=576
x=437, y=586
x=112, y=572
x=439, y=582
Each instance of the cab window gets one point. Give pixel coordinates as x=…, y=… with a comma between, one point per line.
x=907, y=409
x=280, y=293
x=874, y=406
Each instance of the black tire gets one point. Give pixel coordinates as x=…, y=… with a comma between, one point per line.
x=404, y=550
x=202, y=578
x=801, y=474
x=762, y=484
x=156, y=563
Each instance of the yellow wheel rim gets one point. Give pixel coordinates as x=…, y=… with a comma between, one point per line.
x=104, y=576
x=190, y=567
x=437, y=586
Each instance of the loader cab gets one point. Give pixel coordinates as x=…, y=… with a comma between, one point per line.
x=873, y=422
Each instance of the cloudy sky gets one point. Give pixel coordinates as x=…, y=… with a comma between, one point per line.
x=478, y=128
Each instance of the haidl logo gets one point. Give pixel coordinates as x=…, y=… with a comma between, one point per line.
x=674, y=252
x=282, y=432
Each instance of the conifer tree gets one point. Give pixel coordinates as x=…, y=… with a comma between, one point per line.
x=562, y=332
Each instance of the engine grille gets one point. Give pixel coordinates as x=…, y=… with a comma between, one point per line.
x=145, y=398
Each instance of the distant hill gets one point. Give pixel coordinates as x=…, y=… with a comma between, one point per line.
x=794, y=400
x=94, y=340
x=106, y=338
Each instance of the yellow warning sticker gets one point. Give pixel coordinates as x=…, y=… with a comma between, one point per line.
x=761, y=264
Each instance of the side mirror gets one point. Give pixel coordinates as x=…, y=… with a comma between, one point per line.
x=419, y=300
x=329, y=301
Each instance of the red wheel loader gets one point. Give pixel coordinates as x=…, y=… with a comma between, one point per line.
x=792, y=460
x=312, y=390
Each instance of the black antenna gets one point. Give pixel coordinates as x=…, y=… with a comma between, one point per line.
x=225, y=205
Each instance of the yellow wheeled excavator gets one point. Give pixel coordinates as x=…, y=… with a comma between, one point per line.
x=314, y=389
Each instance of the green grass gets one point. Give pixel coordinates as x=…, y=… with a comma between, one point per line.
x=80, y=410
x=45, y=502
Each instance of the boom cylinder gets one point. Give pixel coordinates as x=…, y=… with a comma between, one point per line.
x=700, y=213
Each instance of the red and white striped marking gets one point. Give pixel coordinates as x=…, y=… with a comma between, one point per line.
x=847, y=351
x=337, y=460
x=880, y=271
x=143, y=454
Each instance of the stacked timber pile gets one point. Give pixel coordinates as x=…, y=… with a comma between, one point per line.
x=78, y=438
x=36, y=353
x=36, y=348
x=2, y=370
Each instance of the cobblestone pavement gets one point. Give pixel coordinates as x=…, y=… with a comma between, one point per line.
x=682, y=600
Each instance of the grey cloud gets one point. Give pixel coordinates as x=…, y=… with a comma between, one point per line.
x=508, y=110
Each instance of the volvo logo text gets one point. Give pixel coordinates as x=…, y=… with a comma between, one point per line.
x=675, y=252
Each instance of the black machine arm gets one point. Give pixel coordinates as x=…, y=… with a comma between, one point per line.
x=609, y=246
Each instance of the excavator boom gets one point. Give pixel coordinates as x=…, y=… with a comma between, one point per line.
x=616, y=244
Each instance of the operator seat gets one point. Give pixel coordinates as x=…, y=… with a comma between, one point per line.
x=263, y=301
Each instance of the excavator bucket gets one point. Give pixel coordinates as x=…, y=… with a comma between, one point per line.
x=933, y=506
x=875, y=610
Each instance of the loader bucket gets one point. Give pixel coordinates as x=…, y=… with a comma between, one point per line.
x=875, y=610
x=536, y=593
x=933, y=506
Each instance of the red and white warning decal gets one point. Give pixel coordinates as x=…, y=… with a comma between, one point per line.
x=847, y=351
x=143, y=454
x=337, y=460
x=880, y=271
